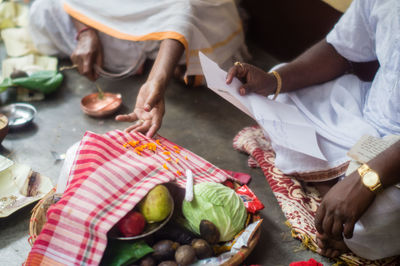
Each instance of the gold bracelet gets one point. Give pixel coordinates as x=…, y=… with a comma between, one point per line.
x=278, y=83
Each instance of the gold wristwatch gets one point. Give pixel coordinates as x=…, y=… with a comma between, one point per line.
x=370, y=178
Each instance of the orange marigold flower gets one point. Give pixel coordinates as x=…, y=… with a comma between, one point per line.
x=167, y=153
x=133, y=143
x=179, y=173
x=165, y=166
x=158, y=141
x=177, y=160
x=168, y=159
x=139, y=148
x=151, y=146
x=186, y=158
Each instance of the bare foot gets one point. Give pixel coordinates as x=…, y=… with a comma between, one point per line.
x=325, y=186
x=330, y=247
x=179, y=72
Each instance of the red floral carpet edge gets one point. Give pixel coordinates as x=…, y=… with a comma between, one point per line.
x=299, y=206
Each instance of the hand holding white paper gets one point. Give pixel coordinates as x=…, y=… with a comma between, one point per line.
x=283, y=123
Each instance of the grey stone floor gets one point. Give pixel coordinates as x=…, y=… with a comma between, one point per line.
x=195, y=118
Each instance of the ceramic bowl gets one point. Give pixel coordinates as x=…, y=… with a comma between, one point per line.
x=96, y=106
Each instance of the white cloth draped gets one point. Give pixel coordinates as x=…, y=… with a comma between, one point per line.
x=130, y=30
x=335, y=109
x=53, y=33
x=370, y=30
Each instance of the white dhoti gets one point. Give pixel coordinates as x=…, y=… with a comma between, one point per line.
x=53, y=33
x=131, y=31
x=377, y=234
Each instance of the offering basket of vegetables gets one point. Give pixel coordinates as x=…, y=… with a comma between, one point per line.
x=165, y=229
x=109, y=191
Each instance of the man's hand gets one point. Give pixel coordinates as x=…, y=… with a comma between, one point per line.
x=150, y=106
x=254, y=79
x=87, y=53
x=342, y=207
x=149, y=109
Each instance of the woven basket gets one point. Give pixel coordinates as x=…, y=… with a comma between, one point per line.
x=38, y=219
x=244, y=252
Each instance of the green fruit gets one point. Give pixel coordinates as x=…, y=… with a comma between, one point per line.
x=157, y=204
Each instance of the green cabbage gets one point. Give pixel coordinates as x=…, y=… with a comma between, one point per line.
x=218, y=204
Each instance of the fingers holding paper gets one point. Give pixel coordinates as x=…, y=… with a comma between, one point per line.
x=253, y=78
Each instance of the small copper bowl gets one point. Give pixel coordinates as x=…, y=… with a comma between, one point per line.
x=96, y=106
x=3, y=127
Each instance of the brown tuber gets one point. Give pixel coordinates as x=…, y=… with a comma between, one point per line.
x=202, y=248
x=168, y=263
x=209, y=232
x=164, y=250
x=185, y=255
x=147, y=261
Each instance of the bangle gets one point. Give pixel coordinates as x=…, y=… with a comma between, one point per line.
x=81, y=31
x=278, y=83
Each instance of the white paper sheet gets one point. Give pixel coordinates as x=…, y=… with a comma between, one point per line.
x=284, y=123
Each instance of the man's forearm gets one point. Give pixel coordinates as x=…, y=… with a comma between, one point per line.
x=167, y=58
x=387, y=165
x=318, y=64
x=83, y=29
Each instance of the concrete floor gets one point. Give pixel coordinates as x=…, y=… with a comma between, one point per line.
x=195, y=118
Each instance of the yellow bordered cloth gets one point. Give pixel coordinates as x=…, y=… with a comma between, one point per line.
x=210, y=26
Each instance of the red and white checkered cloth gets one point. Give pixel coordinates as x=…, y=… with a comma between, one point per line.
x=106, y=181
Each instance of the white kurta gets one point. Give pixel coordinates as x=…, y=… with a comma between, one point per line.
x=345, y=109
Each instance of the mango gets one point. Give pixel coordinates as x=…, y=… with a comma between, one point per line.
x=156, y=205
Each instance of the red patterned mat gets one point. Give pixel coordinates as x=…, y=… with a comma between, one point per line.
x=298, y=205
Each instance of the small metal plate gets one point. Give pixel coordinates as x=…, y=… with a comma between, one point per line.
x=148, y=230
x=18, y=114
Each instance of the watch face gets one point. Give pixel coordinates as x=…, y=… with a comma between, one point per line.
x=370, y=178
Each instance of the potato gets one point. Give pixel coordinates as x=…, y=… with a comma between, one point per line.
x=202, y=248
x=168, y=263
x=164, y=250
x=147, y=261
x=185, y=255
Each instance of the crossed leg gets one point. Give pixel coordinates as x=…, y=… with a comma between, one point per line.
x=330, y=247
